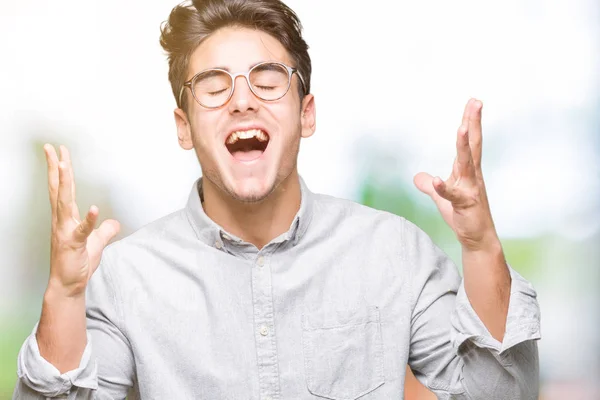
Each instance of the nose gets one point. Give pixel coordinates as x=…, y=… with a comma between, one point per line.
x=242, y=100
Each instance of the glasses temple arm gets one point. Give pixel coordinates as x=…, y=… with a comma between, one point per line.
x=181, y=92
x=301, y=80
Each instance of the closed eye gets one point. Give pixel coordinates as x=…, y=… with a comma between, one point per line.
x=265, y=87
x=218, y=92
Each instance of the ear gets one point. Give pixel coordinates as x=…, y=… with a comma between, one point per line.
x=308, y=117
x=184, y=130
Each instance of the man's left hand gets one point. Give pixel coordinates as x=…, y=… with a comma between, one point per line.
x=462, y=198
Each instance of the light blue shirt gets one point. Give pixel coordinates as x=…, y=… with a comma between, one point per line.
x=334, y=308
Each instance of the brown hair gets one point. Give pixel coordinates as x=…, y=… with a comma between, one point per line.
x=189, y=24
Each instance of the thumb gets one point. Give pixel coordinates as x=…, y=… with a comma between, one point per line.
x=107, y=231
x=424, y=182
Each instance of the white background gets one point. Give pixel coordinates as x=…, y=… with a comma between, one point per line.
x=388, y=73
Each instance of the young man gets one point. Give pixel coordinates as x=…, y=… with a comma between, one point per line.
x=258, y=288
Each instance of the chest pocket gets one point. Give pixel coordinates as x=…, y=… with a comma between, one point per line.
x=343, y=353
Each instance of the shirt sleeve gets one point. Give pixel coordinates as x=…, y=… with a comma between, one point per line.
x=106, y=370
x=452, y=352
x=40, y=379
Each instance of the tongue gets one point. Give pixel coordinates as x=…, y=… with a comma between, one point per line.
x=247, y=155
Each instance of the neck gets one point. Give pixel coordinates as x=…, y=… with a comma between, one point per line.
x=256, y=223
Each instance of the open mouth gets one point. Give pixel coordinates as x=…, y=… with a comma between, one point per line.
x=247, y=145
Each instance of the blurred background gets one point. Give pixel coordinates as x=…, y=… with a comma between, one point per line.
x=391, y=80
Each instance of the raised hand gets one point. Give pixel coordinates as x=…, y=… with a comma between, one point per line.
x=462, y=198
x=76, y=247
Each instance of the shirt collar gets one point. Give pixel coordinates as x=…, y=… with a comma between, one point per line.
x=211, y=233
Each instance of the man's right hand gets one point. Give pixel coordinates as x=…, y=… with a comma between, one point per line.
x=76, y=249
x=76, y=246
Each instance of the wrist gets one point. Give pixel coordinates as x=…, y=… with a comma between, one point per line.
x=485, y=243
x=56, y=291
x=485, y=253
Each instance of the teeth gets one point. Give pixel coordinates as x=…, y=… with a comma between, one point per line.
x=257, y=133
x=232, y=138
x=262, y=136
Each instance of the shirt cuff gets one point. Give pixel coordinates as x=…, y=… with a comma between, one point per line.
x=522, y=322
x=44, y=378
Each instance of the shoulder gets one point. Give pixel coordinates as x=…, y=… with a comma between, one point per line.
x=347, y=214
x=152, y=237
x=336, y=213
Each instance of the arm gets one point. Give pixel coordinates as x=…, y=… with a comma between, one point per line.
x=463, y=203
x=106, y=369
x=487, y=282
x=57, y=355
x=452, y=351
x=61, y=332
x=495, y=308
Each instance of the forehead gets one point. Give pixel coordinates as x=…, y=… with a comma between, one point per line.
x=236, y=49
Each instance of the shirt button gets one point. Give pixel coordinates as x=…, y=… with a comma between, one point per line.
x=268, y=398
x=218, y=244
x=264, y=330
x=226, y=237
x=260, y=261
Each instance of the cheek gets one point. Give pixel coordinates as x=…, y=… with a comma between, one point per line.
x=288, y=118
x=204, y=131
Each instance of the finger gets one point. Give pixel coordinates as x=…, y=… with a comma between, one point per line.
x=52, y=162
x=460, y=198
x=444, y=190
x=475, y=135
x=465, y=117
x=65, y=199
x=100, y=239
x=422, y=181
x=86, y=227
x=464, y=159
x=65, y=156
x=443, y=203
x=107, y=231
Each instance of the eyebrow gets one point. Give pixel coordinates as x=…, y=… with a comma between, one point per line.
x=218, y=67
x=251, y=66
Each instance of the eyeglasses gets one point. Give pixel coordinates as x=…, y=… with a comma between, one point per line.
x=269, y=81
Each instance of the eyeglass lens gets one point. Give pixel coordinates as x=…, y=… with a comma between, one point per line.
x=268, y=81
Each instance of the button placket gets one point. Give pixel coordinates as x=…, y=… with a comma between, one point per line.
x=266, y=350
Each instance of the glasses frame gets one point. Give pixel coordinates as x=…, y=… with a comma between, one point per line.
x=290, y=70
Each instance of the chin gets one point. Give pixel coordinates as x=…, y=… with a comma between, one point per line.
x=251, y=190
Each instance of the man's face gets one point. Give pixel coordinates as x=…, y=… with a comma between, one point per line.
x=247, y=171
